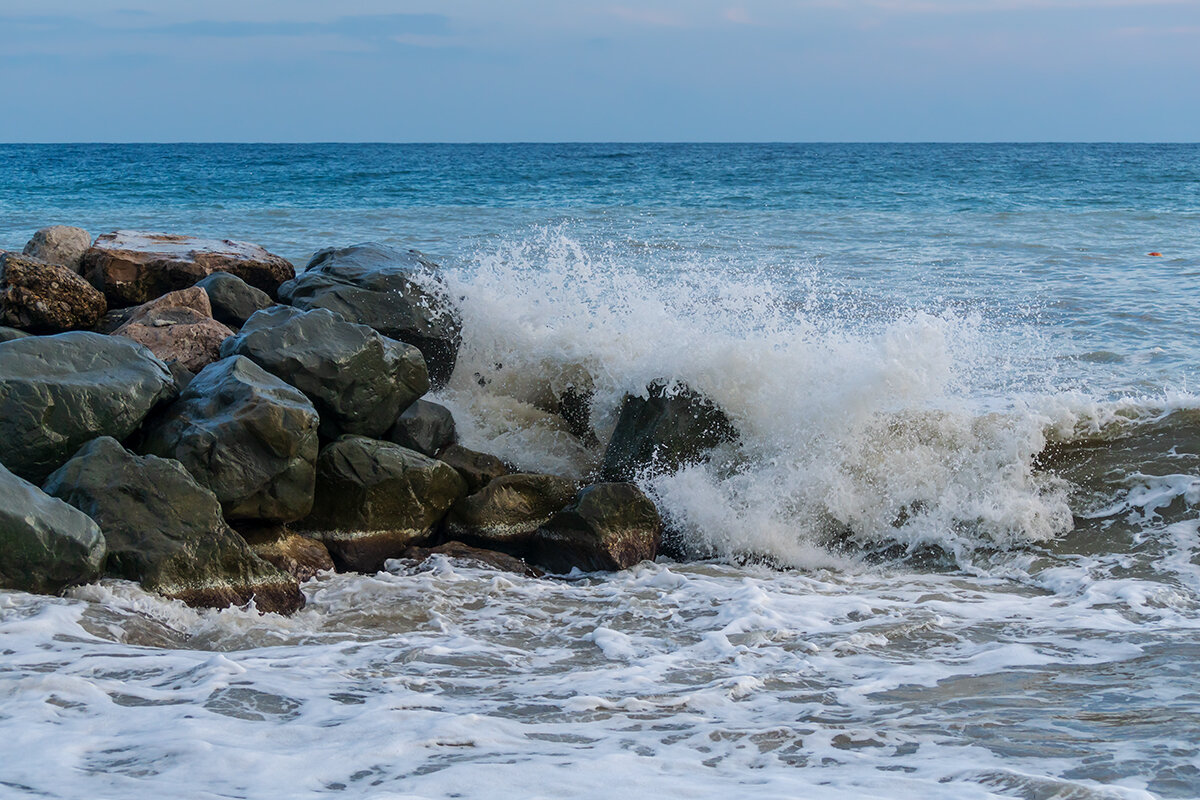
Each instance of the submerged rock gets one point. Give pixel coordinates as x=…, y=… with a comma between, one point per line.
x=131, y=267
x=247, y=436
x=233, y=300
x=505, y=513
x=610, y=526
x=178, y=327
x=58, y=392
x=46, y=298
x=59, y=244
x=358, y=380
x=375, y=498
x=476, y=557
x=664, y=432
x=377, y=285
x=166, y=531
x=45, y=544
x=299, y=556
x=425, y=427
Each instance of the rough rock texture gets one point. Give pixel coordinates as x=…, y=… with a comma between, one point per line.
x=233, y=300
x=8, y=334
x=664, y=432
x=610, y=526
x=57, y=392
x=45, y=298
x=425, y=427
x=297, y=555
x=166, y=530
x=182, y=375
x=45, y=544
x=178, y=327
x=358, y=380
x=375, y=498
x=59, y=244
x=376, y=285
x=131, y=267
x=478, y=469
x=504, y=514
x=475, y=557
x=247, y=436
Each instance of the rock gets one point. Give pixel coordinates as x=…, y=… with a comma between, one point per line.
x=233, y=300
x=425, y=427
x=166, y=530
x=61, y=245
x=358, y=380
x=131, y=267
x=45, y=298
x=290, y=552
x=475, y=557
x=610, y=526
x=58, y=392
x=8, y=334
x=114, y=318
x=374, y=499
x=376, y=285
x=504, y=514
x=45, y=544
x=664, y=432
x=178, y=327
x=478, y=469
x=182, y=376
x=245, y=435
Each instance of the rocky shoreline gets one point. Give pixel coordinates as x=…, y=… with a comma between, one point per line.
x=196, y=416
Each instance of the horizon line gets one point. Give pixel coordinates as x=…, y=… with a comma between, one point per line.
x=617, y=142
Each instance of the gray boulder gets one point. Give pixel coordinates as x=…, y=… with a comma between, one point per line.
x=233, y=300
x=58, y=392
x=8, y=334
x=358, y=380
x=478, y=469
x=505, y=514
x=374, y=499
x=377, y=285
x=59, y=244
x=425, y=427
x=166, y=530
x=46, y=298
x=247, y=436
x=670, y=429
x=610, y=526
x=45, y=544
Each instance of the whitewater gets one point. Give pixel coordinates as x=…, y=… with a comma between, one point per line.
x=954, y=553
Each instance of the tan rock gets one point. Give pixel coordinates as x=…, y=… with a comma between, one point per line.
x=475, y=557
x=46, y=298
x=299, y=556
x=131, y=267
x=59, y=244
x=178, y=327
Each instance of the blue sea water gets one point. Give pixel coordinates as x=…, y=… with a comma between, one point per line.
x=897, y=597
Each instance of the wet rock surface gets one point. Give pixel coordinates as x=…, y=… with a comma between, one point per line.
x=166, y=531
x=505, y=513
x=477, y=469
x=58, y=392
x=475, y=557
x=247, y=436
x=59, y=244
x=299, y=556
x=46, y=298
x=233, y=300
x=425, y=427
x=609, y=526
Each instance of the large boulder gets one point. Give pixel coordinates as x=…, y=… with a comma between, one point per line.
x=166, y=531
x=358, y=380
x=610, y=526
x=505, y=513
x=425, y=427
x=233, y=300
x=478, y=469
x=671, y=428
x=59, y=244
x=131, y=267
x=46, y=298
x=247, y=436
x=45, y=544
x=178, y=327
x=374, y=499
x=58, y=392
x=377, y=285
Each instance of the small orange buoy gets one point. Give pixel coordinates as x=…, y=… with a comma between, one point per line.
x=1154, y=254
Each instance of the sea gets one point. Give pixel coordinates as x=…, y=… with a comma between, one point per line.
x=954, y=553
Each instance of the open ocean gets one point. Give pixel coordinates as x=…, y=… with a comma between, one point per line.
x=893, y=594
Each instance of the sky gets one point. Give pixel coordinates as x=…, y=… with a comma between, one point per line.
x=581, y=70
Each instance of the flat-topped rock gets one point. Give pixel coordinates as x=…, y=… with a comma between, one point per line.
x=59, y=244
x=131, y=267
x=178, y=327
x=58, y=392
x=46, y=298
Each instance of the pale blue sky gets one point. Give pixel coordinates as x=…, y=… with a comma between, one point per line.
x=524, y=70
